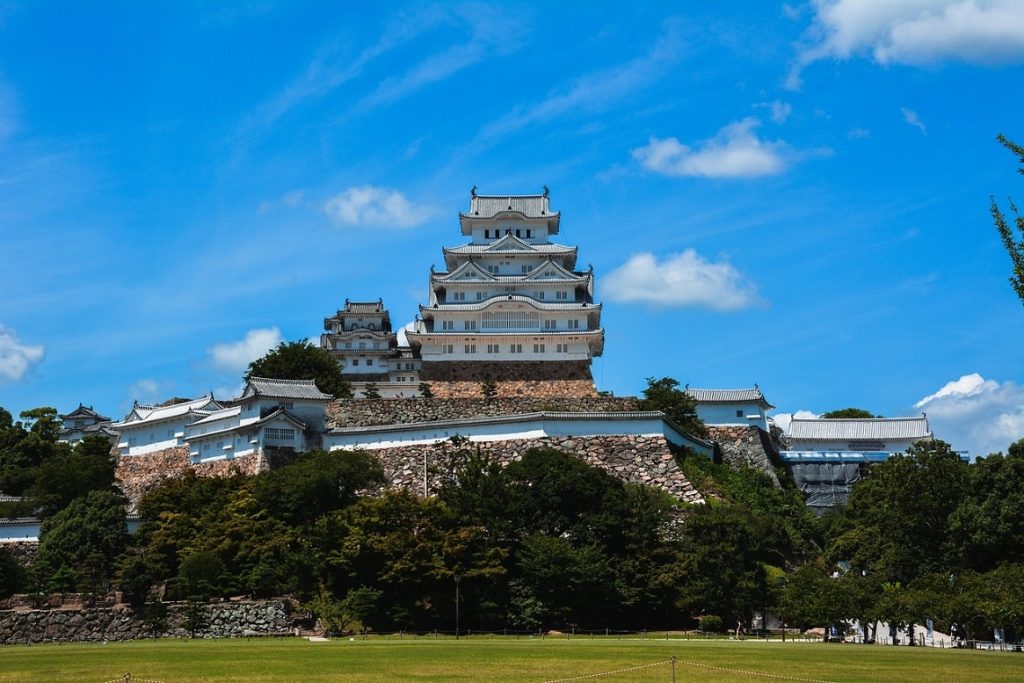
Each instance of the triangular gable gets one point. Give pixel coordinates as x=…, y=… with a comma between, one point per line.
x=468, y=270
x=539, y=273
x=509, y=243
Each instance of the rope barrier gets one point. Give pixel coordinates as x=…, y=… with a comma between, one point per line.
x=128, y=678
x=610, y=673
x=761, y=674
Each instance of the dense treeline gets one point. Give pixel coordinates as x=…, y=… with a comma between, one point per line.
x=546, y=542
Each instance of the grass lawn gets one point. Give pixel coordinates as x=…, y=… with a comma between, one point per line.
x=496, y=659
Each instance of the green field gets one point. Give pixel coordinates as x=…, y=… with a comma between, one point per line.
x=497, y=659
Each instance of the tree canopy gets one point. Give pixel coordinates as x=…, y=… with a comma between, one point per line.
x=663, y=394
x=849, y=414
x=1014, y=244
x=302, y=360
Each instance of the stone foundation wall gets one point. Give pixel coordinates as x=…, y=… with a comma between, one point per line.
x=746, y=445
x=385, y=411
x=140, y=474
x=540, y=388
x=222, y=620
x=22, y=551
x=638, y=459
x=504, y=371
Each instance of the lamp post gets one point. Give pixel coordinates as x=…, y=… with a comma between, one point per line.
x=458, y=579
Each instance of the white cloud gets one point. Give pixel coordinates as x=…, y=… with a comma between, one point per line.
x=683, y=279
x=783, y=420
x=915, y=32
x=976, y=414
x=16, y=358
x=368, y=205
x=229, y=391
x=911, y=117
x=858, y=133
x=147, y=391
x=779, y=110
x=290, y=199
x=734, y=152
x=236, y=356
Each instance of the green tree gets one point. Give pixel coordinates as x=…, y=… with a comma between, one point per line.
x=68, y=474
x=849, y=414
x=201, y=574
x=425, y=390
x=12, y=574
x=896, y=521
x=987, y=528
x=1014, y=246
x=663, y=394
x=302, y=360
x=370, y=390
x=90, y=534
x=316, y=483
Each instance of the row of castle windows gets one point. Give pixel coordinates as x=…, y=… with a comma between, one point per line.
x=508, y=231
x=560, y=295
x=496, y=348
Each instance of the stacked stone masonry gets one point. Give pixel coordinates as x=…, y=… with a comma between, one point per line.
x=140, y=474
x=513, y=388
x=387, y=411
x=221, y=620
x=639, y=459
x=749, y=446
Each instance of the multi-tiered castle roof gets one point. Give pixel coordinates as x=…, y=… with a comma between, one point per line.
x=511, y=294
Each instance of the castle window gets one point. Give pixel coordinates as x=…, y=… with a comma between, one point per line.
x=528, y=232
x=447, y=324
x=526, y=269
x=561, y=295
x=574, y=324
x=493, y=348
x=550, y=324
x=540, y=295
x=515, y=348
x=355, y=362
x=459, y=296
x=362, y=345
x=739, y=413
x=518, y=234
x=470, y=348
x=447, y=348
x=538, y=348
x=487, y=234
x=369, y=361
x=470, y=324
x=562, y=348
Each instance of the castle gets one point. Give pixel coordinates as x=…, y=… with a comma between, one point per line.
x=510, y=308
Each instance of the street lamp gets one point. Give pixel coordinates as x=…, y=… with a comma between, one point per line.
x=458, y=578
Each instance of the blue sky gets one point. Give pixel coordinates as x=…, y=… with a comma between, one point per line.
x=789, y=194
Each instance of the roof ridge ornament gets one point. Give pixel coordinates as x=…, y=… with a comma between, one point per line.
x=546, y=190
x=472, y=191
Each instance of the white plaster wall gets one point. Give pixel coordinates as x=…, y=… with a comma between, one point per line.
x=725, y=414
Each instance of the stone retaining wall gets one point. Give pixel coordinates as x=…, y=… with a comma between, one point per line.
x=538, y=388
x=222, y=620
x=386, y=411
x=639, y=459
x=746, y=445
x=22, y=551
x=140, y=474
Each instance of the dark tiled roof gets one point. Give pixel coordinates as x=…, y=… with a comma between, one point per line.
x=85, y=411
x=878, y=428
x=728, y=396
x=530, y=205
x=284, y=388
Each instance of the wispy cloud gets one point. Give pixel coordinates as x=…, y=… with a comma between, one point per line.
x=15, y=357
x=592, y=92
x=492, y=33
x=235, y=356
x=371, y=206
x=915, y=32
x=734, y=152
x=680, y=280
x=334, y=65
x=911, y=117
x=778, y=110
x=976, y=414
x=290, y=199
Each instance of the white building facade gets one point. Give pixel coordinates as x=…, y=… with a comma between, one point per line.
x=510, y=294
x=731, y=407
x=147, y=429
